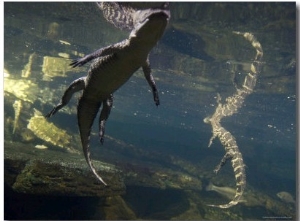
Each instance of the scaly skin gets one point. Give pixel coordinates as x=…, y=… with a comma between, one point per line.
x=231, y=106
x=112, y=66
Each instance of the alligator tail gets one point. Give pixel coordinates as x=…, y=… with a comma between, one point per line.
x=240, y=177
x=233, y=154
x=86, y=113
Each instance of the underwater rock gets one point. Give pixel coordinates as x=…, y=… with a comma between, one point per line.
x=117, y=209
x=17, y=108
x=53, y=30
x=55, y=67
x=27, y=135
x=55, y=173
x=49, y=132
x=281, y=208
x=53, y=178
x=155, y=175
x=159, y=178
x=26, y=72
x=176, y=180
x=192, y=213
x=41, y=147
x=64, y=55
x=23, y=89
x=6, y=73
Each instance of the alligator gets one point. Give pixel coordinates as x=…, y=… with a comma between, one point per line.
x=119, y=14
x=112, y=66
x=232, y=105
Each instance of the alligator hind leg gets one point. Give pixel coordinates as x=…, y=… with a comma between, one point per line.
x=107, y=105
x=147, y=72
x=226, y=157
x=75, y=86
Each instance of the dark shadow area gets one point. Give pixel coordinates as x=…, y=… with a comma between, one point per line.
x=22, y=206
x=151, y=203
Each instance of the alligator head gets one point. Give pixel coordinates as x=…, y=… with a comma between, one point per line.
x=149, y=24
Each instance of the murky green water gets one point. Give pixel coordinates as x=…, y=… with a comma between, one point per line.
x=197, y=58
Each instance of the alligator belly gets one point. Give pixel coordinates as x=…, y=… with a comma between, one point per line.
x=108, y=74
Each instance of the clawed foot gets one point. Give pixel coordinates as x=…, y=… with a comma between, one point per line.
x=217, y=169
x=52, y=112
x=79, y=62
x=156, y=102
x=102, y=140
x=211, y=139
x=156, y=99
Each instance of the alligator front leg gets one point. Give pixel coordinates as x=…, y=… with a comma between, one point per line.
x=107, y=105
x=100, y=52
x=147, y=72
x=75, y=86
